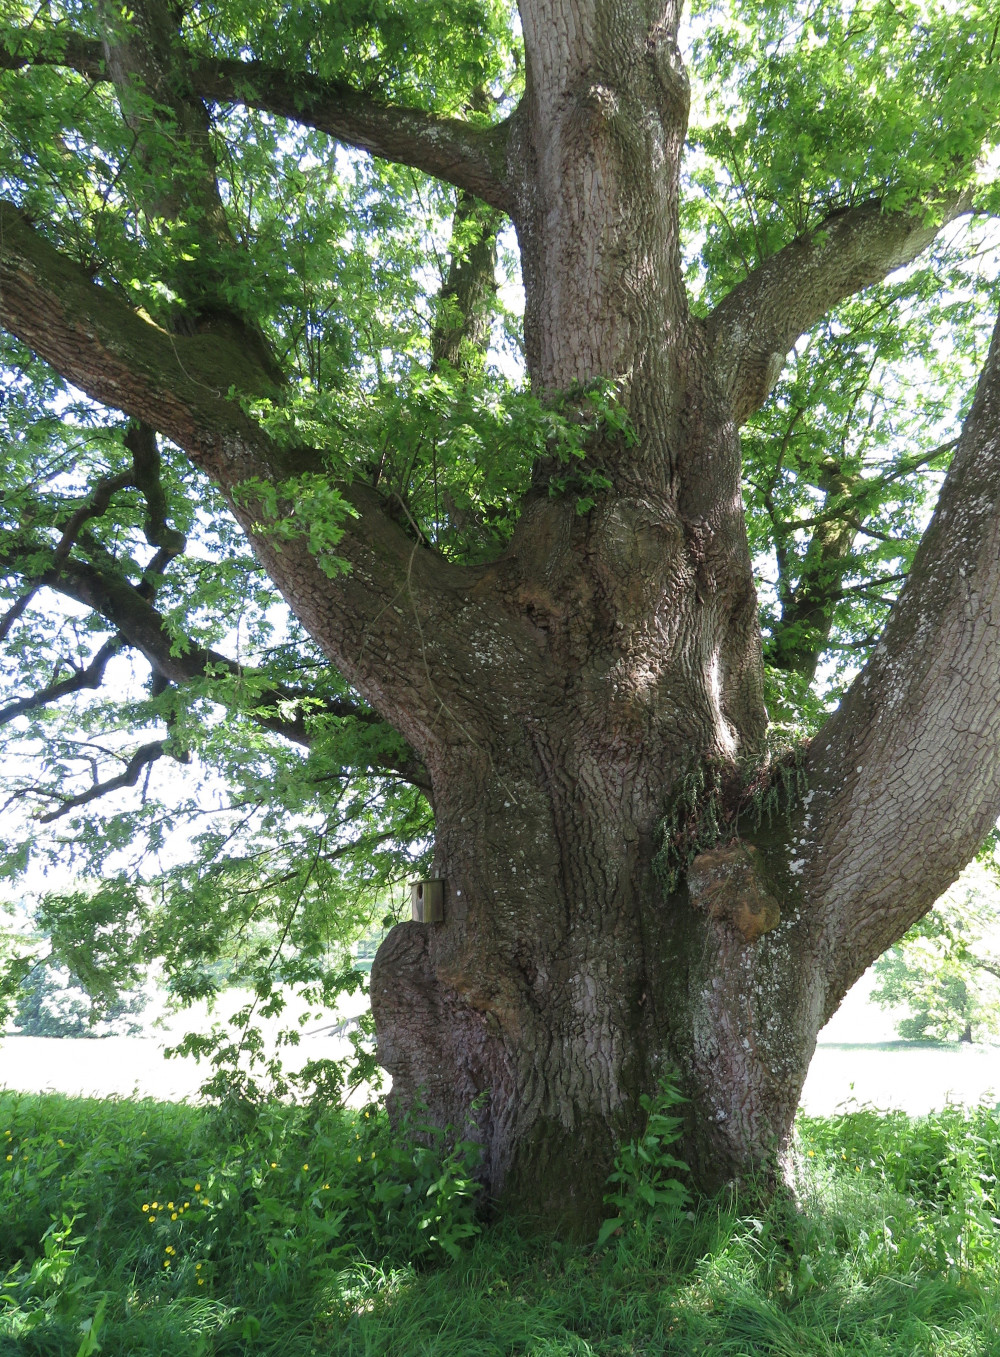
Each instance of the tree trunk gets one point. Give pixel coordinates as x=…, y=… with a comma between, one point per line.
x=563, y=979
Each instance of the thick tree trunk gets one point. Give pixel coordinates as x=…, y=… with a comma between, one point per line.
x=563, y=979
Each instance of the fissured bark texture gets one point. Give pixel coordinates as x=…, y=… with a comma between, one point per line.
x=601, y=659
x=562, y=982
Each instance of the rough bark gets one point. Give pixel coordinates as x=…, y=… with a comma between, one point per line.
x=464, y=314
x=755, y=325
x=905, y=774
x=559, y=696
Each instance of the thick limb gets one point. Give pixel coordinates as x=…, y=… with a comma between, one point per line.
x=471, y=157
x=752, y=329
x=905, y=775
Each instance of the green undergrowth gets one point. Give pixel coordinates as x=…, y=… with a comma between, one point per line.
x=142, y=1228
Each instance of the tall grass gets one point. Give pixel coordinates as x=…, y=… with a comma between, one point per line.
x=142, y=1228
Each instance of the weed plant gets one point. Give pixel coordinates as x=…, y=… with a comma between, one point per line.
x=141, y=1228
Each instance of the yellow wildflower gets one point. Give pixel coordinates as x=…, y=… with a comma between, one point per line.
x=151, y=1219
x=201, y=1281
x=304, y=1167
x=145, y=1207
x=197, y=1187
x=173, y=1215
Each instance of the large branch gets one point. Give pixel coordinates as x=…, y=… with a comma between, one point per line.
x=92, y=676
x=180, y=384
x=142, y=759
x=753, y=328
x=905, y=777
x=413, y=634
x=460, y=153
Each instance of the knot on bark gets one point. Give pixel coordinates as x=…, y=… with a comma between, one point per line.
x=725, y=883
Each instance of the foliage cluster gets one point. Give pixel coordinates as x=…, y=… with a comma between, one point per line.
x=946, y=969
x=645, y=1187
x=52, y=1003
x=236, y=1226
x=893, y=1252
x=110, y=936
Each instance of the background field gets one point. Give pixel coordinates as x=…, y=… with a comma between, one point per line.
x=858, y=1057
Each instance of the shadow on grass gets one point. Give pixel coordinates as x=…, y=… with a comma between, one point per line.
x=857, y=1271
x=892, y=1252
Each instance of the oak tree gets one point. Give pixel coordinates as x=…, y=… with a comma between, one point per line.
x=549, y=574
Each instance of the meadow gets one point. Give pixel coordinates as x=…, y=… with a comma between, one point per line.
x=138, y=1227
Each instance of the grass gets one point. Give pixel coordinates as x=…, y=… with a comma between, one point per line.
x=143, y=1228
